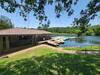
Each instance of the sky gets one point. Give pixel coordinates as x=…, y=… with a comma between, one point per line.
x=63, y=21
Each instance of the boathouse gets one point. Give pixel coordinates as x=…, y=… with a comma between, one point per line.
x=15, y=37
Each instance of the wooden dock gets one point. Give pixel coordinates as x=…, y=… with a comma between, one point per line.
x=49, y=42
x=52, y=43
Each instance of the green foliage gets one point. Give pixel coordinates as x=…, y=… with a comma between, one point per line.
x=70, y=30
x=5, y=22
x=96, y=29
x=91, y=30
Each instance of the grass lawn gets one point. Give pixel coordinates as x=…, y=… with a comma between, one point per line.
x=27, y=54
x=83, y=48
x=46, y=61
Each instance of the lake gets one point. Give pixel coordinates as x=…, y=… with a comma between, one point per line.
x=79, y=42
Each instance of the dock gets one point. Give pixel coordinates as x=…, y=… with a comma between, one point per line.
x=52, y=43
x=49, y=42
x=56, y=41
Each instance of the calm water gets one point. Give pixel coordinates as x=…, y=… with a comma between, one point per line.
x=82, y=41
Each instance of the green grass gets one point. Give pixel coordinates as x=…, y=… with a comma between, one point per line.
x=83, y=48
x=46, y=61
x=28, y=54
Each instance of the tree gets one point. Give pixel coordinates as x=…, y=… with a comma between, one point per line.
x=96, y=29
x=89, y=31
x=44, y=26
x=92, y=10
x=5, y=22
x=82, y=25
x=37, y=7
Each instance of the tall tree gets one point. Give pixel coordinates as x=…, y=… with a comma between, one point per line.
x=5, y=22
x=92, y=11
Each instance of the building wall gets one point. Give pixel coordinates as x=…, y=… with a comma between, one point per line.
x=17, y=41
x=8, y=42
x=1, y=43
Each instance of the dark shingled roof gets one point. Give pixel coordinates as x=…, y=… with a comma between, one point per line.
x=21, y=31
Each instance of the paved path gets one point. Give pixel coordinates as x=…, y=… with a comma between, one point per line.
x=54, y=48
x=85, y=52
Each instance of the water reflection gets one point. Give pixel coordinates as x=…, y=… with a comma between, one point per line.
x=95, y=42
x=81, y=41
x=78, y=39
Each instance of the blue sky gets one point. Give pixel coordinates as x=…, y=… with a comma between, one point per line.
x=63, y=21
